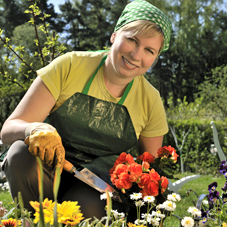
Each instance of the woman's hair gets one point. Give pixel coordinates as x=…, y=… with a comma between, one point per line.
x=144, y=28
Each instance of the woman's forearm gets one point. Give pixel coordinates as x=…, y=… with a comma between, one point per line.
x=13, y=130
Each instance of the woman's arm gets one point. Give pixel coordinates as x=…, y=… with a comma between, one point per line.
x=34, y=107
x=150, y=144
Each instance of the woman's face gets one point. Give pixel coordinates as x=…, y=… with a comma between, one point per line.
x=130, y=55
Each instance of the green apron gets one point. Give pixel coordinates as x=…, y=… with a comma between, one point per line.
x=95, y=132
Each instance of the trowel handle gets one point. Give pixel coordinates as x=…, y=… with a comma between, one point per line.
x=68, y=166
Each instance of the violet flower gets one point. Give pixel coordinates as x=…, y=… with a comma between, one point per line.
x=204, y=216
x=213, y=196
x=223, y=167
x=225, y=187
x=212, y=187
x=224, y=198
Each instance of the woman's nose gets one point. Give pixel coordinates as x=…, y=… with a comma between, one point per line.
x=136, y=53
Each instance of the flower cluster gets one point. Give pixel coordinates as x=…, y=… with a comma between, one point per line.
x=168, y=152
x=68, y=212
x=154, y=215
x=216, y=213
x=128, y=172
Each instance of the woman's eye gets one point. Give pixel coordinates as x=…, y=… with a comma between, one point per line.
x=150, y=51
x=133, y=40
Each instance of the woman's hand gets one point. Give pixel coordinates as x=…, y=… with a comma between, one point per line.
x=44, y=142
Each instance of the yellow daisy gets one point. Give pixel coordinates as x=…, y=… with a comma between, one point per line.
x=11, y=222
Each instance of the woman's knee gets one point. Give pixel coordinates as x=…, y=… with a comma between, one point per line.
x=18, y=159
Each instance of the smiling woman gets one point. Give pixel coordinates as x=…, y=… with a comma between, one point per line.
x=96, y=105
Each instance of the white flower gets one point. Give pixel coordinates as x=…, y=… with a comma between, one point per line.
x=138, y=222
x=187, y=222
x=104, y=195
x=139, y=203
x=136, y=196
x=149, y=199
x=205, y=202
x=169, y=205
x=117, y=215
x=160, y=206
x=174, y=197
x=194, y=211
x=157, y=214
x=154, y=221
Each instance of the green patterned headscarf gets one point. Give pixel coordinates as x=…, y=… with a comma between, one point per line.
x=143, y=10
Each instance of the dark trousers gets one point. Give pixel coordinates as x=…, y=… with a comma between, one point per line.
x=20, y=168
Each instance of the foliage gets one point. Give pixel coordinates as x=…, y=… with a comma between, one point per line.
x=22, y=57
x=196, y=154
x=213, y=91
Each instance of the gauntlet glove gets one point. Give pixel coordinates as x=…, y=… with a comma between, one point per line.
x=44, y=142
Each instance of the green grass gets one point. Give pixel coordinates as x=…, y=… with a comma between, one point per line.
x=199, y=185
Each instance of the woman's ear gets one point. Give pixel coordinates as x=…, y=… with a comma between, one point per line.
x=112, y=38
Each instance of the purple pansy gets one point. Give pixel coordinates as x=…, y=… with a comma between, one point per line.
x=225, y=187
x=212, y=187
x=204, y=215
x=224, y=197
x=213, y=196
x=223, y=167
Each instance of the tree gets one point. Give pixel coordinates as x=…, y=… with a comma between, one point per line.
x=29, y=48
x=197, y=46
x=90, y=23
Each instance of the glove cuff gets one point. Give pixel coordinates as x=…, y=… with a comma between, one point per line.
x=38, y=127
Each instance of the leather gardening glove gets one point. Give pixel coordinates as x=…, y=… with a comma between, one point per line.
x=44, y=141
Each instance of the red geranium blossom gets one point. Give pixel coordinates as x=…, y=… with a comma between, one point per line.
x=123, y=181
x=154, y=176
x=146, y=157
x=151, y=189
x=164, y=184
x=135, y=170
x=140, y=175
x=167, y=151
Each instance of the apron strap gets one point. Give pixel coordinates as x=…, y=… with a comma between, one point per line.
x=86, y=88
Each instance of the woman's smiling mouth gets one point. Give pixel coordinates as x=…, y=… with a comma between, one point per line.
x=129, y=64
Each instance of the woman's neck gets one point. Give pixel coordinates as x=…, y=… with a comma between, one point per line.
x=114, y=83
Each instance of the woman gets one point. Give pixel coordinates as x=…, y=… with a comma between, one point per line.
x=97, y=105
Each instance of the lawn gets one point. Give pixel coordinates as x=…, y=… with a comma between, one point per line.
x=199, y=185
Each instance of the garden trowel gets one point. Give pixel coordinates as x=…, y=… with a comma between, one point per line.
x=92, y=180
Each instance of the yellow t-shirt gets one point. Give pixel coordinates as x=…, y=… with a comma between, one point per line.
x=69, y=74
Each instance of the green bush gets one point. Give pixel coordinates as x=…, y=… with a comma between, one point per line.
x=196, y=154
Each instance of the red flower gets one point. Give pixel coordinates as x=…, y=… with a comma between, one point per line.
x=164, y=184
x=144, y=180
x=124, y=158
x=123, y=181
x=154, y=176
x=151, y=189
x=121, y=168
x=135, y=170
x=121, y=158
x=145, y=166
x=174, y=156
x=146, y=157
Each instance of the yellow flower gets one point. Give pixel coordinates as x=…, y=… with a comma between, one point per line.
x=224, y=224
x=46, y=204
x=11, y=222
x=69, y=213
x=134, y=225
x=73, y=220
x=48, y=211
